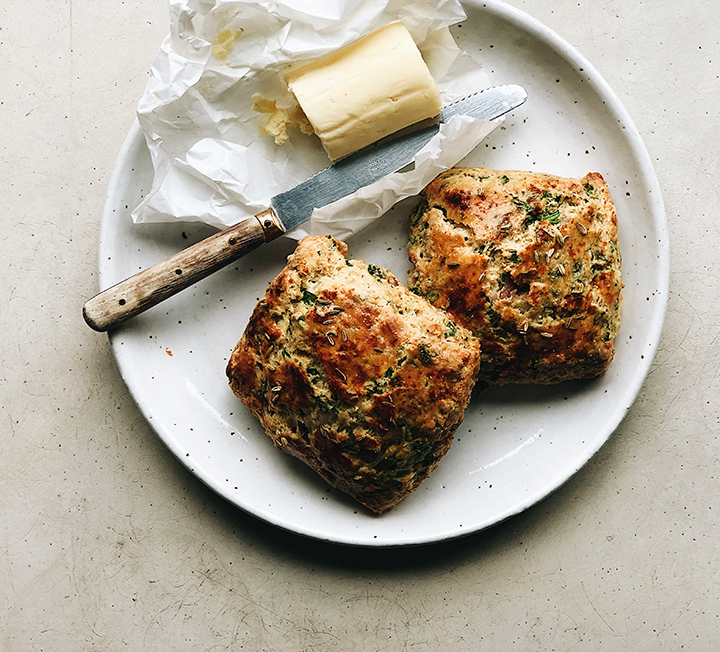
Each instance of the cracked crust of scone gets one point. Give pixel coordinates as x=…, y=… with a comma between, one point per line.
x=529, y=263
x=353, y=374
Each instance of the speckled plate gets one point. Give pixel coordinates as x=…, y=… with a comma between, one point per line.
x=516, y=445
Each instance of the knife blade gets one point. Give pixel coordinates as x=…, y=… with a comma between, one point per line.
x=287, y=210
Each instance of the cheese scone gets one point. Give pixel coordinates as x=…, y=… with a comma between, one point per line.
x=352, y=373
x=529, y=263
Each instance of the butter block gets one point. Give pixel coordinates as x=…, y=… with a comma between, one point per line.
x=366, y=91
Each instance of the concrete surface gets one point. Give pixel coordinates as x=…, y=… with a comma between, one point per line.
x=108, y=543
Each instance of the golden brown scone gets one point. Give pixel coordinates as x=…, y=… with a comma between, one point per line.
x=529, y=263
x=350, y=372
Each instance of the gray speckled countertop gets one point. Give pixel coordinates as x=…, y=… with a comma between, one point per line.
x=108, y=543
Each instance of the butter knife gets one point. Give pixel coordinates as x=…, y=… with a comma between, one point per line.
x=287, y=210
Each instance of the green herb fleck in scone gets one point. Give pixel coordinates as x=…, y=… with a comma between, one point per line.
x=352, y=373
x=529, y=263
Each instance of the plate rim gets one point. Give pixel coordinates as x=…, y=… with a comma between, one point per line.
x=525, y=22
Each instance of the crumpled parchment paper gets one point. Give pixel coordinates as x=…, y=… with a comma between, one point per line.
x=212, y=164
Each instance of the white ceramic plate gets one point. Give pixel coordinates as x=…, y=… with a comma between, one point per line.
x=516, y=445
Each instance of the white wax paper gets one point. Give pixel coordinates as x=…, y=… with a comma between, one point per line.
x=212, y=164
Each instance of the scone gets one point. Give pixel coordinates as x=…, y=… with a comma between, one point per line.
x=352, y=373
x=529, y=263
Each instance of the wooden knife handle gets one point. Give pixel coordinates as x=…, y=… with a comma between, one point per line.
x=155, y=284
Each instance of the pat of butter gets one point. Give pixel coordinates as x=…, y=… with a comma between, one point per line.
x=366, y=91
x=280, y=120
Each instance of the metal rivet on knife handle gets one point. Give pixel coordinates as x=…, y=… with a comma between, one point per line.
x=155, y=284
